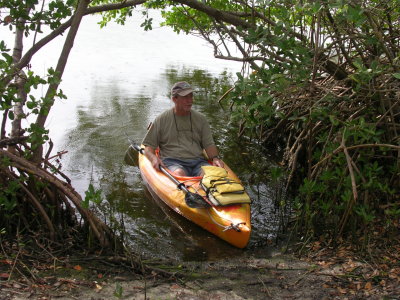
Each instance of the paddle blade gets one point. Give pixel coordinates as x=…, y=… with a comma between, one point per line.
x=131, y=157
x=195, y=201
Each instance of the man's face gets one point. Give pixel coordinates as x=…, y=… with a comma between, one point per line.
x=184, y=103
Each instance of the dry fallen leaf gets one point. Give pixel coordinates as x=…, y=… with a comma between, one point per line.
x=58, y=283
x=316, y=246
x=325, y=264
x=341, y=252
x=174, y=286
x=78, y=268
x=6, y=261
x=368, y=285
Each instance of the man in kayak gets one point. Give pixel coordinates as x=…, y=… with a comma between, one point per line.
x=181, y=134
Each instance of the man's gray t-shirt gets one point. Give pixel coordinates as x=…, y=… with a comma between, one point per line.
x=182, y=137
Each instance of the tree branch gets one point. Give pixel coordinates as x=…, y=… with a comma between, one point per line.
x=95, y=224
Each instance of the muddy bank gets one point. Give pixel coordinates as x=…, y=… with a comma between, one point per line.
x=279, y=277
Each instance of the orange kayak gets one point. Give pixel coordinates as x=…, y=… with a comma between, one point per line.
x=230, y=223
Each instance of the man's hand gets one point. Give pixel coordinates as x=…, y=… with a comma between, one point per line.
x=156, y=162
x=218, y=162
x=212, y=153
x=153, y=158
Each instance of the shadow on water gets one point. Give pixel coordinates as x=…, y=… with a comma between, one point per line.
x=97, y=148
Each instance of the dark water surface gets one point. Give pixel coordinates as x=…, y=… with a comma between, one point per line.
x=116, y=84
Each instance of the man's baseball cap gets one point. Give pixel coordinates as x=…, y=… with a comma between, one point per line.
x=181, y=88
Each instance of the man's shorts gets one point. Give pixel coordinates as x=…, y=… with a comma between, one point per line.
x=192, y=167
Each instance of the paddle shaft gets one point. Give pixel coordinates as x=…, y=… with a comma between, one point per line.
x=180, y=185
x=137, y=148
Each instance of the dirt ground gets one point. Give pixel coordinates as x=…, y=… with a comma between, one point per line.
x=279, y=277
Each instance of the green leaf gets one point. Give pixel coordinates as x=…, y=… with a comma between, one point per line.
x=30, y=104
x=118, y=292
x=91, y=195
x=8, y=57
x=11, y=115
x=396, y=75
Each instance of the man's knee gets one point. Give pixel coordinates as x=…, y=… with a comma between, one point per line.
x=179, y=172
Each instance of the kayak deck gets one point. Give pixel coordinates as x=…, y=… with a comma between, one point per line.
x=230, y=223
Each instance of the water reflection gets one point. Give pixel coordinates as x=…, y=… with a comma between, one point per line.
x=98, y=144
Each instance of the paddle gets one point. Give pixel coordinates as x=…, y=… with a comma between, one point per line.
x=131, y=157
x=192, y=200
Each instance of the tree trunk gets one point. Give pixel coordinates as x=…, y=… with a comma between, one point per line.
x=20, y=81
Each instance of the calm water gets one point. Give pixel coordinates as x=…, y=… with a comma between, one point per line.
x=117, y=80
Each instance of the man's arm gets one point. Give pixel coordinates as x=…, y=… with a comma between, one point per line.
x=150, y=153
x=212, y=153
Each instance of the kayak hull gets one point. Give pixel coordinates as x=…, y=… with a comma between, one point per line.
x=230, y=223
